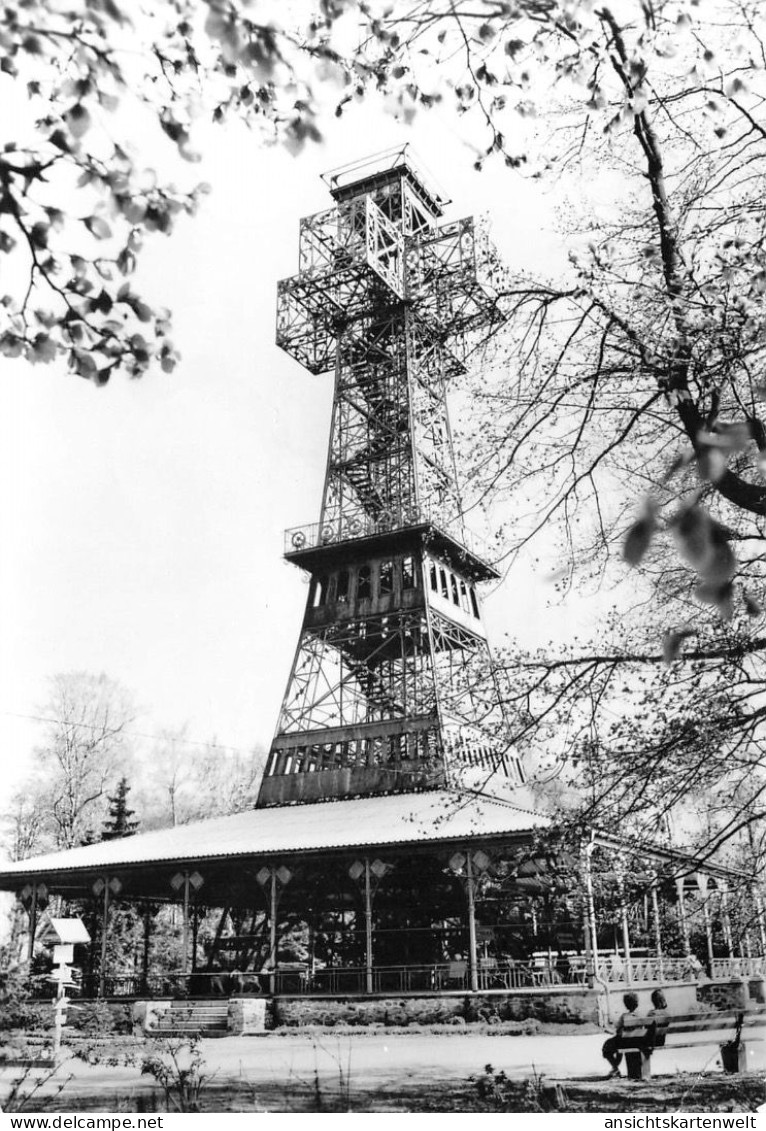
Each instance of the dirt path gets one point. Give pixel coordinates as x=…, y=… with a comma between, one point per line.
x=370, y=1064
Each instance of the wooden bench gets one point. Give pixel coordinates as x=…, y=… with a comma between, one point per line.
x=641, y=1037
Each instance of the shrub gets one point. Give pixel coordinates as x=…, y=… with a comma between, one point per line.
x=470, y=1010
x=98, y=1019
x=497, y=1092
x=178, y=1067
x=19, y=1010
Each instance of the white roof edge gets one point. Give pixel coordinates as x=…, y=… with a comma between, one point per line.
x=322, y=826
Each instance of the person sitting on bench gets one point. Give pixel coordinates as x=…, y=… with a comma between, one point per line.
x=611, y=1047
x=659, y=1015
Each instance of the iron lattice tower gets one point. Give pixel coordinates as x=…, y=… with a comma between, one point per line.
x=391, y=688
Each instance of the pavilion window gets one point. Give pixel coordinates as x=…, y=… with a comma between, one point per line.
x=455, y=596
x=444, y=584
x=474, y=602
x=341, y=591
x=432, y=577
x=464, y=602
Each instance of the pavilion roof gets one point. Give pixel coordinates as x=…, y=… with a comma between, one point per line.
x=394, y=819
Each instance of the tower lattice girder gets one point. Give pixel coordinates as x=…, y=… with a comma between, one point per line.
x=392, y=684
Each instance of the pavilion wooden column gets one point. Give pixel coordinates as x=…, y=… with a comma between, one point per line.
x=624, y=922
x=312, y=943
x=726, y=918
x=273, y=901
x=657, y=927
x=471, y=896
x=682, y=920
x=469, y=866
x=194, y=936
x=367, y=926
x=186, y=883
x=368, y=875
x=105, y=887
x=591, y=927
x=757, y=899
x=274, y=880
x=32, y=924
x=703, y=885
x=146, y=947
x=34, y=898
x=590, y=967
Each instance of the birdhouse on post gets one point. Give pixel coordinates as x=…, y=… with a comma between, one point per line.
x=63, y=935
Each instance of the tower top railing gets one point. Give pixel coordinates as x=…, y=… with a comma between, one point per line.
x=400, y=158
x=311, y=535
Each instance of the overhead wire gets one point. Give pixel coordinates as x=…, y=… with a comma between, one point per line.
x=158, y=737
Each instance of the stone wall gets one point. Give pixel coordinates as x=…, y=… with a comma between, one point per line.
x=757, y=991
x=723, y=995
x=147, y=1013
x=680, y=996
x=247, y=1015
x=684, y=997
x=554, y=1004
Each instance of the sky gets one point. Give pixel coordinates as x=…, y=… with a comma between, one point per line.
x=142, y=523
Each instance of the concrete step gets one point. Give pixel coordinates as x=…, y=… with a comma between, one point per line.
x=197, y=1007
x=189, y=1010
x=196, y=1026
x=188, y=1018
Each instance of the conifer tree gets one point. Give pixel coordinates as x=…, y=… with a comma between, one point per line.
x=119, y=822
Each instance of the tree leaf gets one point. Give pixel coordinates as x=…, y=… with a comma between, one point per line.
x=691, y=530
x=78, y=120
x=721, y=564
x=721, y=596
x=43, y=349
x=11, y=345
x=98, y=227
x=712, y=463
x=638, y=539
x=753, y=607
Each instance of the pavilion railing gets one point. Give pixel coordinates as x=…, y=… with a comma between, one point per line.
x=204, y=984
x=655, y=969
x=492, y=974
x=329, y=980
x=738, y=967
x=347, y=528
x=430, y=977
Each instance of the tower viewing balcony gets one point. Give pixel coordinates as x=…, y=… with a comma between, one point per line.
x=310, y=543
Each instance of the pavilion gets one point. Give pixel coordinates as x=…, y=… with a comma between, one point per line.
x=436, y=893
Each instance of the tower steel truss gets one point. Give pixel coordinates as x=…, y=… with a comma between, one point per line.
x=392, y=685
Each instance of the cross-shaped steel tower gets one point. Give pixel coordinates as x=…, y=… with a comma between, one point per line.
x=392, y=687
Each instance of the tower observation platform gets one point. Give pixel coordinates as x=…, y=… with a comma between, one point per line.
x=392, y=687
